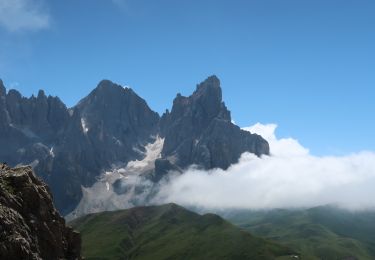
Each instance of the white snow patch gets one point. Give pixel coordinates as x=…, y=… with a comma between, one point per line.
x=117, y=141
x=102, y=197
x=153, y=152
x=51, y=152
x=85, y=129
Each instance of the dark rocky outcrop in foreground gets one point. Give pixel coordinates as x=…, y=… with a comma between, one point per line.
x=30, y=226
x=70, y=148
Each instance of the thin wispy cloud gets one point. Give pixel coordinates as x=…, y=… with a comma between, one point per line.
x=290, y=177
x=23, y=15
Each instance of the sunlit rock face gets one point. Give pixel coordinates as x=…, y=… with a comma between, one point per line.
x=113, y=129
x=31, y=227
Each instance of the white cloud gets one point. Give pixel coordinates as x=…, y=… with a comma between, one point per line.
x=285, y=147
x=23, y=15
x=290, y=177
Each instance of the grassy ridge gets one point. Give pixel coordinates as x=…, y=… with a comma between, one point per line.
x=323, y=232
x=170, y=232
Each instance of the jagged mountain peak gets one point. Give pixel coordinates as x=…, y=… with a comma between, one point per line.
x=199, y=130
x=113, y=125
x=108, y=86
x=110, y=102
x=209, y=91
x=108, y=94
x=203, y=105
x=41, y=94
x=13, y=93
x=212, y=83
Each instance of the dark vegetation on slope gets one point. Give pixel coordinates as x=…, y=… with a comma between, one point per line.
x=325, y=232
x=170, y=232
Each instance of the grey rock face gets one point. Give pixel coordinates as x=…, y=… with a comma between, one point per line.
x=29, y=128
x=2, y=89
x=70, y=148
x=4, y=117
x=162, y=168
x=117, y=119
x=40, y=116
x=30, y=226
x=199, y=130
x=111, y=125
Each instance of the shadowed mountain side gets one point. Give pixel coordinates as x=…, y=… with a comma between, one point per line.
x=199, y=131
x=71, y=148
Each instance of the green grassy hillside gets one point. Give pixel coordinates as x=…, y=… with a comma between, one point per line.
x=324, y=232
x=170, y=232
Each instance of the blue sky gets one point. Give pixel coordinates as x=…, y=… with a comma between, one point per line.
x=308, y=66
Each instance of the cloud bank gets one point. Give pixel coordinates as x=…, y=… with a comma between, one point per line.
x=290, y=177
x=23, y=15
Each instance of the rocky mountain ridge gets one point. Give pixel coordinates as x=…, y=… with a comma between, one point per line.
x=199, y=130
x=72, y=147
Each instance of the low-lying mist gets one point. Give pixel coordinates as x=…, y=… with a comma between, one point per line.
x=290, y=177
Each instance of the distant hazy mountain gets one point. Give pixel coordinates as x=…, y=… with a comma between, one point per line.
x=112, y=126
x=170, y=232
x=325, y=232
